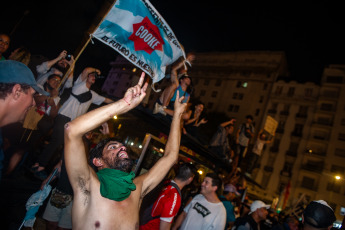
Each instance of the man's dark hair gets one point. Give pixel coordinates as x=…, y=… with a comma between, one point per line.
x=216, y=181
x=250, y=117
x=190, y=87
x=97, y=151
x=6, y=89
x=60, y=68
x=186, y=171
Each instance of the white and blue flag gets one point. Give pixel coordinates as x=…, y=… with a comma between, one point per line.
x=136, y=30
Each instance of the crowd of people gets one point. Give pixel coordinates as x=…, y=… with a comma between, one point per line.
x=97, y=188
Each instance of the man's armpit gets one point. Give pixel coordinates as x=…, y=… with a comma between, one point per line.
x=85, y=192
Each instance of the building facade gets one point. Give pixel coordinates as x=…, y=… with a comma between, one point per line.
x=308, y=152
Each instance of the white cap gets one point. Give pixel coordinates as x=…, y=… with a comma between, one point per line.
x=258, y=204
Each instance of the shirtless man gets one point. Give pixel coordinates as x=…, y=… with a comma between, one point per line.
x=91, y=209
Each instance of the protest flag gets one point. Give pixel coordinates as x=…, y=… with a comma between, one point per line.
x=138, y=32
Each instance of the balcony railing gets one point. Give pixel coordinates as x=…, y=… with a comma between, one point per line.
x=318, y=137
x=313, y=167
x=280, y=130
x=272, y=111
x=296, y=134
x=268, y=168
x=301, y=115
x=285, y=113
x=274, y=149
x=309, y=186
x=291, y=153
x=285, y=173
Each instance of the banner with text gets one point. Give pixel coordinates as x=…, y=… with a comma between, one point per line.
x=137, y=31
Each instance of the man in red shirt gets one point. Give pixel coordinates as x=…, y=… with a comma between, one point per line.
x=167, y=205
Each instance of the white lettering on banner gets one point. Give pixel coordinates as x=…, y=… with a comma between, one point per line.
x=159, y=22
x=148, y=37
x=126, y=53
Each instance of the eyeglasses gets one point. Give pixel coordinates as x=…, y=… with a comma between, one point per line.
x=56, y=79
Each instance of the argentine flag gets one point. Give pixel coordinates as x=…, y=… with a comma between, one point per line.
x=137, y=31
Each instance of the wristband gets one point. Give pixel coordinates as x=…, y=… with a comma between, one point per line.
x=126, y=101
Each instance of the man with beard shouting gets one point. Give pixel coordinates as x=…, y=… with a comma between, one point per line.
x=111, y=198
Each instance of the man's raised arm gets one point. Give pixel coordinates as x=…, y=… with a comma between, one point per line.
x=164, y=164
x=75, y=156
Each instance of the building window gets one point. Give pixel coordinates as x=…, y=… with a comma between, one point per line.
x=240, y=96
x=326, y=107
x=335, y=79
x=196, y=81
x=291, y=91
x=257, y=112
x=343, y=121
x=234, y=95
x=214, y=94
x=308, y=92
x=308, y=182
x=209, y=105
x=279, y=90
x=233, y=108
x=265, y=86
x=298, y=130
x=341, y=137
x=202, y=92
x=236, y=108
x=239, y=84
x=339, y=152
x=206, y=82
x=218, y=82
x=261, y=99
x=337, y=169
x=333, y=186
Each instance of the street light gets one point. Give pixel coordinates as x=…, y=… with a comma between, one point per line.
x=337, y=177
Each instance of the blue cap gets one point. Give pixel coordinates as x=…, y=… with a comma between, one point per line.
x=18, y=73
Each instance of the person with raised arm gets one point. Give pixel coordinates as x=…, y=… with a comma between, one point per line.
x=111, y=197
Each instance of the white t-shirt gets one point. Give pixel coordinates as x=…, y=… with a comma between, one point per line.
x=258, y=146
x=42, y=106
x=72, y=108
x=204, y=215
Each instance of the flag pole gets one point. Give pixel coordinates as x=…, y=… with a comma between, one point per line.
x=104, y=11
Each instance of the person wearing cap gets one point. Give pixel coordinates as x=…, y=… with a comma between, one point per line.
x=179, y=82
x=318, y=215
x=205, y=211
x=258, y=212
x=18, y=86
x=229, y=194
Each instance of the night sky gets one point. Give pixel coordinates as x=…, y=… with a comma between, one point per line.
x=312, y=35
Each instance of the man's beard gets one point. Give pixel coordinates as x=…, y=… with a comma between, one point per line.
x=124, y=165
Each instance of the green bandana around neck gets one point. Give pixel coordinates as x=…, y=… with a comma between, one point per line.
x=115, y=184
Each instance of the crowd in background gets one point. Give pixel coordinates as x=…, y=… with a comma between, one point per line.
x=37, y=143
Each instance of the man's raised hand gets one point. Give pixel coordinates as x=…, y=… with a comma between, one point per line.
x=134, y=95
x=179, y=106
